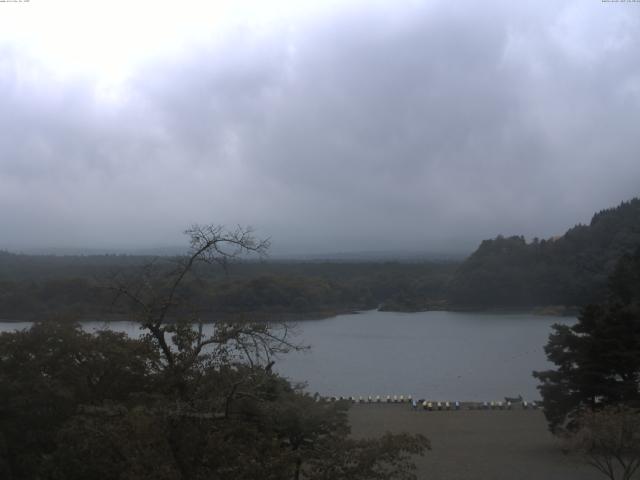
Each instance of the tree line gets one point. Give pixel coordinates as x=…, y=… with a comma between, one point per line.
x=506, y=272
x=79, y=286
x=569, y=270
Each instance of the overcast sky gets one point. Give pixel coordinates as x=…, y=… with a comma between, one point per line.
x=328, y=126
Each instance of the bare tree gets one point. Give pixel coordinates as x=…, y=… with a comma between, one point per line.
x=609, y=439
x=159, y=300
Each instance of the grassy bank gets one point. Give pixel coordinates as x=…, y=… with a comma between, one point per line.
x=476, y=444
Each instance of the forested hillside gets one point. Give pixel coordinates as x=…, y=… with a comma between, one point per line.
x=506, y=272
x=569, y=270
x=79, y=286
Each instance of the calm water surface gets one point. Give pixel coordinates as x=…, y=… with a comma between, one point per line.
x=437, y=355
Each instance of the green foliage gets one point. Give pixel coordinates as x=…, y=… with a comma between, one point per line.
x=371, y=459
x=77, y=406
x=47, y=371
x=598, y=358
x=570, y=270
x=39, y=287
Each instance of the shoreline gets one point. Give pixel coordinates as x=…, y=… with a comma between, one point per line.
x=435, y=405
x=280, y=317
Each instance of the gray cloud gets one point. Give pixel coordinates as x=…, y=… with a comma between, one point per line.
x=424, y=126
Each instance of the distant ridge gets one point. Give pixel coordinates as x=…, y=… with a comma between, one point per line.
x=83, y=251
x=372, y=256
x=568, y=270
x=363, y=256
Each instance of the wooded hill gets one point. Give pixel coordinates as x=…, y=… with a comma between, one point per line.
x=79, y=286
x=506, y=272
x=571, y=270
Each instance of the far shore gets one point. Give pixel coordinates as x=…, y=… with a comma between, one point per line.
x=548, y=310
x=206, y=317
x=559, y=311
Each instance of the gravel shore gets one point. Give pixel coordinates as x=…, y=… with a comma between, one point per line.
x=476, y=444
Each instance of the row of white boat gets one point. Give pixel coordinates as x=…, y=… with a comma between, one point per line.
x=436, y=405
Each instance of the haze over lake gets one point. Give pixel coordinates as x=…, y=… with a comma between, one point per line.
x=439, y=355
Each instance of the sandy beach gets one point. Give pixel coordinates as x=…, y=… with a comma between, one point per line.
x=476, y=444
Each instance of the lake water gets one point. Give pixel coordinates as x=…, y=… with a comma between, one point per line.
x=436, y=355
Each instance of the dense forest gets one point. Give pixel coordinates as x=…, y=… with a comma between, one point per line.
x=569, y=270
x=506, y=272
x=81, y=286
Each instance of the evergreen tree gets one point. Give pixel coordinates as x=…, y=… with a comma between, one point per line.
x=598, y=358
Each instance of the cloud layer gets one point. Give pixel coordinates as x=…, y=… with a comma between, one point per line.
x=374, y=126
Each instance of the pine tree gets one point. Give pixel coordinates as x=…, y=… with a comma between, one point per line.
x=598, y=358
